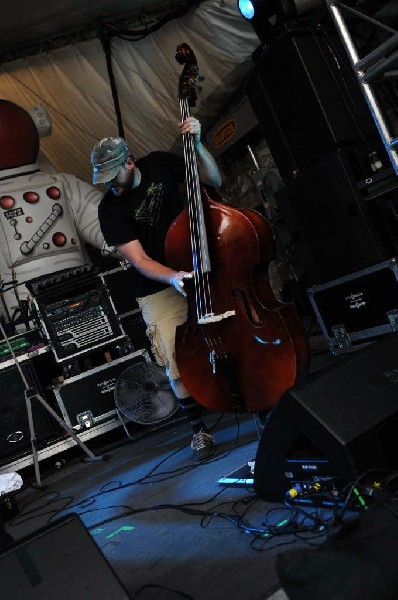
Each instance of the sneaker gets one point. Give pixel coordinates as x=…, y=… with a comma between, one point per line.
x=202, y=445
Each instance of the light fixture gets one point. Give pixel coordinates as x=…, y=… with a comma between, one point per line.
x=258, y=14
x=256, y=10
x=246, y=9
x=262, y=14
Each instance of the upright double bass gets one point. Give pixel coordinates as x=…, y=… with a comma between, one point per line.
x=239, y=349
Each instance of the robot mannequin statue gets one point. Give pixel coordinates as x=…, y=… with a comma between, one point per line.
x=44, y=218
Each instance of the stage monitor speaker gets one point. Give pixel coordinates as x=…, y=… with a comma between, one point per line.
x=14, y=424
x=330, y=224
x=58, y=562
x=306, y=98
x=335, y=426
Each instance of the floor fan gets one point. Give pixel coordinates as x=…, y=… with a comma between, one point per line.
x=143, y=394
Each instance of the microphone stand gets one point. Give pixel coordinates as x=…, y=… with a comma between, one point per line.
x=32, y=394
x=21, y=305
x=3, y=302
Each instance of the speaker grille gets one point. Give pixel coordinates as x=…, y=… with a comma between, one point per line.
x=14, y=423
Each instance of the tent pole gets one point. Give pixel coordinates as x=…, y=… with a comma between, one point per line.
x=106, y=45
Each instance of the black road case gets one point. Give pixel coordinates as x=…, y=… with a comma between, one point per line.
x=88, y=399
x=357, y=308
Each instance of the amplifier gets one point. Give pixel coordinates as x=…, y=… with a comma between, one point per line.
x=135, y=328
x=77, y=314
x=40, y=286
x=120, y=284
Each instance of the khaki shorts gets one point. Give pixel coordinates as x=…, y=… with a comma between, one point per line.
x=162, y=313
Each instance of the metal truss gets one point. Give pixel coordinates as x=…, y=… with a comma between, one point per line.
x=379, y=65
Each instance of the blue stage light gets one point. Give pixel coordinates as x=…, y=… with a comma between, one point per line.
x=246, y=9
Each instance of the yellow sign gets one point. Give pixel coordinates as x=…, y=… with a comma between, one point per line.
x=224, y=133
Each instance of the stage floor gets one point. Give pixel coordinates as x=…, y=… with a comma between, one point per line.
x=166, y=525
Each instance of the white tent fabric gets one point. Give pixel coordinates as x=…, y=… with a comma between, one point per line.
x=72, y=82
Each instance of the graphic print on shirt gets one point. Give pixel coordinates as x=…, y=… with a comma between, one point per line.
x=149, y=209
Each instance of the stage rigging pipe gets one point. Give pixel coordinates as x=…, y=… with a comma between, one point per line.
x=362, y=16
x=380, y=69
x=106, y=46
x=378, y=53
x=388, y=140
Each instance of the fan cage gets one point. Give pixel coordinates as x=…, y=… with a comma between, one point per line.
x=143, y=394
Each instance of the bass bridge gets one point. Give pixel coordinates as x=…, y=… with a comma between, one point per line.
x=222, y=364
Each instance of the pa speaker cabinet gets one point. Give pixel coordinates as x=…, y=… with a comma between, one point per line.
x=87, y=399
x=59, y=562
x=330, y=224
x=337, y=424
x=14, y=424
x=306, y=98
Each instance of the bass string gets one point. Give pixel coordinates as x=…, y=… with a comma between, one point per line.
x=198, y=240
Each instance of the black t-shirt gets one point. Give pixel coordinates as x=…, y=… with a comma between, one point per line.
x=145, y=213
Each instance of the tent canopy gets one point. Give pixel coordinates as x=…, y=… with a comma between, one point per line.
x=72, y=80
x=35, y=22
x=51, y=54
